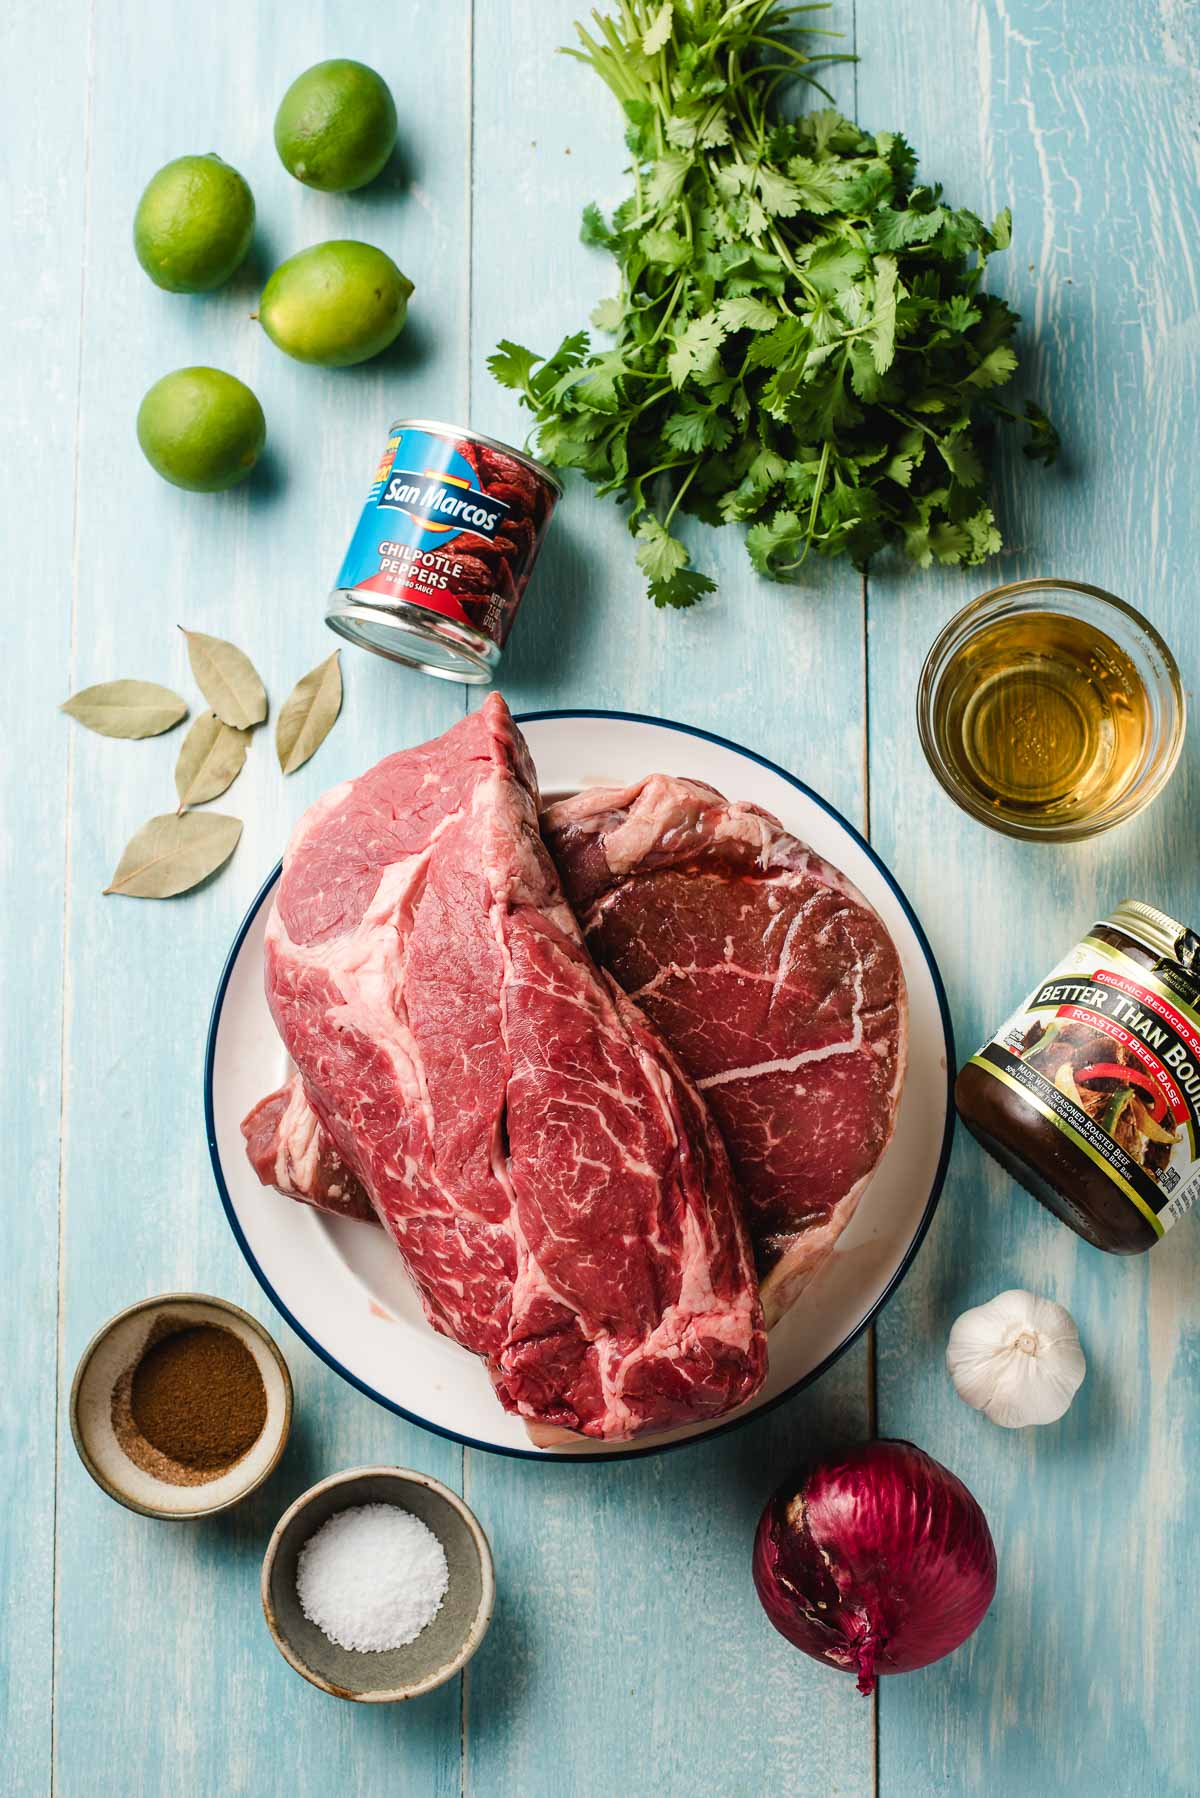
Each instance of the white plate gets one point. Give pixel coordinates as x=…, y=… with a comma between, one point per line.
x=341, y=1284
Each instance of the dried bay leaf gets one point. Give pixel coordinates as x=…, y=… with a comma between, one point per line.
x=228, y=680
x=126, y=708
x=309, y=714
x=174, y=852
x=210, y=760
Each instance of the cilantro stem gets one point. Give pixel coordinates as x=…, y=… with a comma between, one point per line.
x=781, y=250
x=682, y=489
x=782, y=49
x=818, y=489
x=913, y=424
x=665, y=320
x=663, y=467
x=651, y=400
x=992, y=405
x=737, y=90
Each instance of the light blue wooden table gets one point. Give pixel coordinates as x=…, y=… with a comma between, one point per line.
x=628, y=1653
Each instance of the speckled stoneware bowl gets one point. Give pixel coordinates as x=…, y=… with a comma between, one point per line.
x=116, y=1346
x=443, y=1646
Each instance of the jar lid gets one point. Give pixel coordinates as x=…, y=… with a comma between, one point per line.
x=1164, y=934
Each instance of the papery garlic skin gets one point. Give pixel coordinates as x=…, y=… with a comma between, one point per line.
x=1017, y=1359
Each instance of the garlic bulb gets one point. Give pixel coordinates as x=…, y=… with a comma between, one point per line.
x=1017, y=1359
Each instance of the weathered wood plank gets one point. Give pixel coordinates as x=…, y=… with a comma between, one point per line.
x=1076, y=1682
x=44, y=178
x=604, y=1670
x=629, y=1652
x=167, y=1679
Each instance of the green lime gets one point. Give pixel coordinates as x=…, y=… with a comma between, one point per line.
x=337, y=303
x=202, y=429
x=193, y=224
x=336, y=126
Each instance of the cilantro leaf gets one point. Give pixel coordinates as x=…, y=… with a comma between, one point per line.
x=957, y=314
x=882, y=334
x=569, y=354
x=865, y=377
x=818, y=186
x=754, y=216
x=1043, y=444
x=770, y=542
x=660, y=30
x=985, y=538
x=695, y=427
x=949, y=542
x=666, y=248
x=821, y=128
x=606, y=315
x=593, y=231
x=780, y=195
x=996, y=368
x=666, y=180
x=960, y=457
x=833, y=267
x=704, y=130
x=683, y=589
x=595, y=384
x=780, y=346
x=747, y=314
x=696, y=348
x=897, y=230
x=511, y=364
x=659, y=555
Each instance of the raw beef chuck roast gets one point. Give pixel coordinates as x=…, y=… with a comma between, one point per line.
x=290, y=1149
x=770, y=977
x=556, y=1187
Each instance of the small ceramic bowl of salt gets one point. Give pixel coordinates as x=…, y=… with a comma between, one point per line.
x=378, y=1585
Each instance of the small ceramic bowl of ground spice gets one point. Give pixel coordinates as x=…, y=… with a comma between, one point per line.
x=377, y=1584
x=181, y=1406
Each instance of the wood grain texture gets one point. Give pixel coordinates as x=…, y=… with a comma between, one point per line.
x=44, y=167
x=166, y=1677
x=1085, y=122
x=627, y=1652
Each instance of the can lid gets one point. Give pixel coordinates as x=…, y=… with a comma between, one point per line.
x=415, y=638
x=1158, y=931
x=494, y=443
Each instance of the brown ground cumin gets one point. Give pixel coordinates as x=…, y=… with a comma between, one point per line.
x=191, y=1405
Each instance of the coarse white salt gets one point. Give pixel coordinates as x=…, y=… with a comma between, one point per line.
x=372, y=1577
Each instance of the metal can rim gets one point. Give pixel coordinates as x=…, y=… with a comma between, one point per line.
x=476, y=655
x=472, y=436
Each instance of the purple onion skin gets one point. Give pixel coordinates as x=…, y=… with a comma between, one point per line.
x=879, y=1562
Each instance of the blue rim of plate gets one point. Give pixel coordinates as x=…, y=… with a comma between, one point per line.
x=733, y=1423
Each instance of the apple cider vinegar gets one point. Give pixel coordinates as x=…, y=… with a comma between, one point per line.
x=1050, y=709
x=1043, y=714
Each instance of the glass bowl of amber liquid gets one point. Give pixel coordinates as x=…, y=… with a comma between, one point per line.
x=1051, y=709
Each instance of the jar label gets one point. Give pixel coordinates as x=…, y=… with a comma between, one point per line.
x=1109, y=1052
x=451, y=524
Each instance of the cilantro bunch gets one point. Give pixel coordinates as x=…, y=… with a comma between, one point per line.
x=800, y=342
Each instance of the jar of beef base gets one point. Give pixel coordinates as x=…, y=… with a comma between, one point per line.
x=444, y=550
x=1090, y=1093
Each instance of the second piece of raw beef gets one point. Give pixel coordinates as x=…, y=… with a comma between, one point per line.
x=772, y=979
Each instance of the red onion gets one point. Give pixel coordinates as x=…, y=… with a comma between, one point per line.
x=879, y=1562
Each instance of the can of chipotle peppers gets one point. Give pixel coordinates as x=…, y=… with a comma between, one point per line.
x=444, y=549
